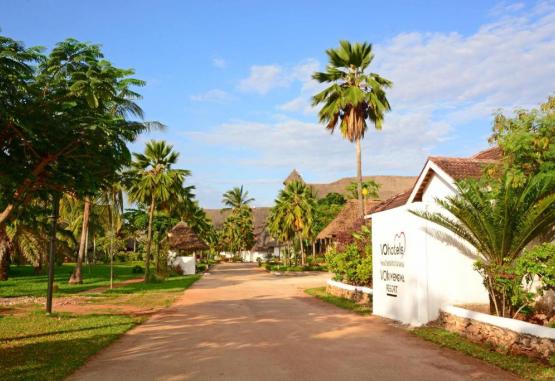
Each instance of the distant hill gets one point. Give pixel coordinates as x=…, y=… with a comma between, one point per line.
x=389, y=185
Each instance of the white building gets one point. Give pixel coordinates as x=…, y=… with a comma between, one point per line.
x=417, y=265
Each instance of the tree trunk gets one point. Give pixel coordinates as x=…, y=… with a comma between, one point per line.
x=158, y=253
x=52, y=252
x=359, y=176
x=303, y=255
x=112, y=247
x=76, y=276
x=4, y=252
x=149, y=239
x=314, y=250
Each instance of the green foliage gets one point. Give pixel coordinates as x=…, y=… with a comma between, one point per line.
x=236, y=198
x=327, y=208
x=293, y=214
x=516, y=282
x=370, y=189
x=24, y=281
x=351, y=265
x=527, y=368
x=63, y=121
x=273, y=266
x=152, y=181
x=137, y=269
x=353, y=96
x=499, y=219
x=238, y=230
x=527, y=141
x=347, y=304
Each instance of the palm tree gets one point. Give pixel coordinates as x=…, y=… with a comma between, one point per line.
x=499, y=220
x=153, y=181
x=370, y=188
x=236, y=198
x=353, y=96
x=293, y=214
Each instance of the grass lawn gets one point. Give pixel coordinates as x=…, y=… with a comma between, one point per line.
x=522, y=366
x=41, y=347
x=34, y=346
x=23, y=281
x=347, y=304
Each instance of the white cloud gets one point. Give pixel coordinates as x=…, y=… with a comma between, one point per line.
x=214, y=95
x=263, y=79
x=220, y=63
x=293, y=143
x=507, y=63
x=441, y=82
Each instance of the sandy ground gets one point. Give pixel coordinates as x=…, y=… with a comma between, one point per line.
x=241, y=323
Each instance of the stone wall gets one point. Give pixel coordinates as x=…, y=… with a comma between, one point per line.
x=354, y=295
x=502, y=339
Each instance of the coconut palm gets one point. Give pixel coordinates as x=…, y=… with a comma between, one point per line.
x=353, y=97
x=370, y=188
x=499, y=220
x=293, y=214
x=236, y=198
x=152, y=181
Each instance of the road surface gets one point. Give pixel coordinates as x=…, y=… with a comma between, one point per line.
x=241, y=323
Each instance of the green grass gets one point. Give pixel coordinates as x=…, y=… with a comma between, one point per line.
x=522, y=366
x=347, y=304
x=22, y=281
x=34, y=346
x=41, y=347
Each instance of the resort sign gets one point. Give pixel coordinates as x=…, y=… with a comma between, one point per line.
x=392, y=263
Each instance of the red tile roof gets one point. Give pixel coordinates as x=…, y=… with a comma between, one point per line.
x=457, y=167
x=393, y=202
x=461, y=168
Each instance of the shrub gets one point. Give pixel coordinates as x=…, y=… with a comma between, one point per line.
x=137, y=270
x=201, y=267
x=350, y=265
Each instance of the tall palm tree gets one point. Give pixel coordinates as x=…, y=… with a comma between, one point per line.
x=353, y=97
x=153, y=181
x=293, y=214
x=236, y=198
x=370, y=188
x=499, y=220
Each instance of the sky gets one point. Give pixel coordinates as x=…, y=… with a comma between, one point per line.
x=232, y=79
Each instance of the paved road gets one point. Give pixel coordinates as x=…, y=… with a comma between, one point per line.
x=241, y=323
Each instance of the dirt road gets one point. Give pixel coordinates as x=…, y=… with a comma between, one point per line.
x=241, y=323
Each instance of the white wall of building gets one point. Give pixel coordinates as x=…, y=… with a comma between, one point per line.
x=187, y=264
x=418, y=266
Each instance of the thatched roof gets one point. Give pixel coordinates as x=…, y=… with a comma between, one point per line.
x=263, y=240
x=182, y=237
x=293, y=176
x=347, y=221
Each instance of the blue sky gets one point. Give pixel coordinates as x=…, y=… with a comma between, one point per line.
x=231, y=79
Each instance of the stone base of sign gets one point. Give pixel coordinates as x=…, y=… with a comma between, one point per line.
x=361, y=295
x=501, y=338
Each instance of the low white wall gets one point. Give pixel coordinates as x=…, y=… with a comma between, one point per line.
x=514, y=325
x=350, y=287
x=186, y=264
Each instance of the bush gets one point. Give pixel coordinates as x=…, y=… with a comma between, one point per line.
x=137, y=270
x=201, y=267
x=351, y=266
